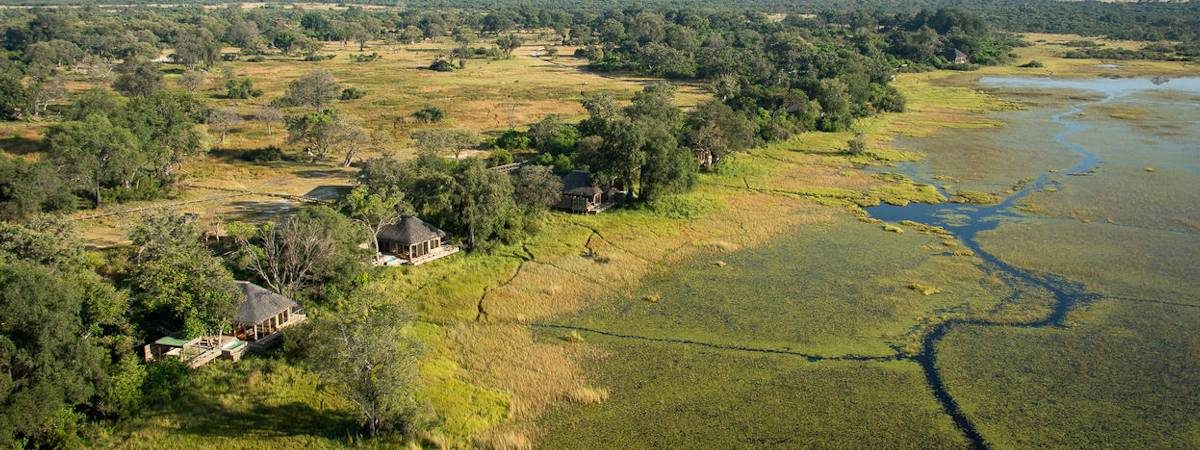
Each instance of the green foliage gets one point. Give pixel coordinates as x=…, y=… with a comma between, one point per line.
x=513, y=140
x=323, y=133
x=241, y=88
x=352, y=93
x=500, y=157
x=551, y=135
x=177, y=279
x=27, y=188
x=95, y=152
x=441, y=65
x=429, y=114
x=1032, y=64
x=372, y=362
x=313, y=89
x=61, y=328
x=507, y=43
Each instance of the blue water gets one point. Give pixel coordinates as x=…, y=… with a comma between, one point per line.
x=967, y=221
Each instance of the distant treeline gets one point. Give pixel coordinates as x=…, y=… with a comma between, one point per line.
x=1150, y=20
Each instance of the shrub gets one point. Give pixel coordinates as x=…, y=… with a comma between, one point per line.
x=256, y=58
x=500, y=157
x=241, y=89
x=365, y=57
x=352, y=93
x=513, y=139
x=442, y=65
x=1033, y=64
x=429, y=114
x=269, y=153
x=316, y=57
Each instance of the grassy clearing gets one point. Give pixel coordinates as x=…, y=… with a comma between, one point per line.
x=247, y=405
x=719, y=399
x=1125, y=376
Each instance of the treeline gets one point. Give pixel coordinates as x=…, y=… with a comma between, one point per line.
x=1147, y=20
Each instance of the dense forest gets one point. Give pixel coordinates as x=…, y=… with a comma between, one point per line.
x=72, y=320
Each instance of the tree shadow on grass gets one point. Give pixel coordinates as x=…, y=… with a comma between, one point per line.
x=205, y=417
x=20, y=145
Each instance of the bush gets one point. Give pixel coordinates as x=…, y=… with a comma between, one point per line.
x=365, y=57
x=316, y=57
x=1033, y=64
x=256, y=58
x=163, y=381
x=513, y=139
x=230, y=56
x=269, y=153
x=442, y=65
x=429, y=114
x=352, y=93
x=241, y=89
x=500, y=157
x=561, y=163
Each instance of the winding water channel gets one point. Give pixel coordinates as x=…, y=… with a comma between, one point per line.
x=966, y=221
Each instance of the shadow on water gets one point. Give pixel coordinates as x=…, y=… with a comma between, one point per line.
x=966, y=221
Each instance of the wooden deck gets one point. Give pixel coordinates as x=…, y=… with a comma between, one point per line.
x=437, y=253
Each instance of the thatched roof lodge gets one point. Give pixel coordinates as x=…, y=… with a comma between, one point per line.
x=413, y=241
x=256, y=325
x=262, y=314
x=581, y=195
x=956, y=56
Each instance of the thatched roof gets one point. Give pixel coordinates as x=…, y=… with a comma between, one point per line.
x=260, y=304
x=954, y=54
x=410, y=230
x=579, y=182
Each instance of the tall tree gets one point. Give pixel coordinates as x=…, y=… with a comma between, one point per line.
x=314, y=89
x=94, y=153
x=370, y=360
x=485, y=199
x=374, y=209
x=175, y=275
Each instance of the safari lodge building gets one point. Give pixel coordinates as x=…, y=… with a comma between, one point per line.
x=580, y=195
x=413, y=241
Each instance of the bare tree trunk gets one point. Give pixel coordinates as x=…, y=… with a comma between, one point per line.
x=349, y=157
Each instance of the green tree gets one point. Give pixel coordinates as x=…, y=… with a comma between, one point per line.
x=313, y=89
x=138, y=78
x=61, y=328
x=325, y=132
x=484, y=201
x=94, y=153
x=177, y=277
x=369, y=358
x=536, y=187
x=374, y=209
x=507, y=44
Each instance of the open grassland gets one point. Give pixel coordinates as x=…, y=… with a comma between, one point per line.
x=485, y=96
x=1111, y=259
x=666, y=395
x=1125, y=376
x=845, y=287
x=1049, y=48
